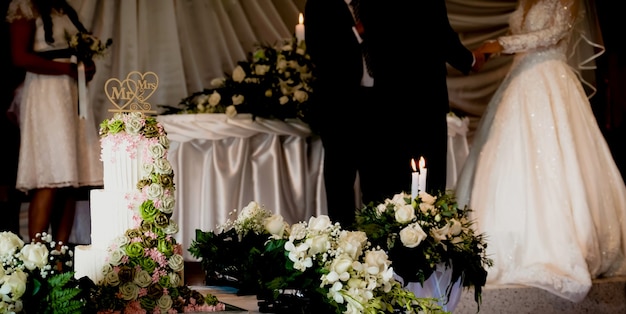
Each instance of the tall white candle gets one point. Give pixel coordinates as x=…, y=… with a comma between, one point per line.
x=300, y=28
x=414, y=180
x=422, y=175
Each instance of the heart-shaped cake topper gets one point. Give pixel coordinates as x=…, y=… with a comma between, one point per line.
x=133, y=92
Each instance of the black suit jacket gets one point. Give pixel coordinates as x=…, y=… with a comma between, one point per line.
x=334, y=50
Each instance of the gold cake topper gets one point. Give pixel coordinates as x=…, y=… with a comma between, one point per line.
x=132, y=93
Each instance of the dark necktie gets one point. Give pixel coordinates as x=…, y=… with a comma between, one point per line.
x=356, y=10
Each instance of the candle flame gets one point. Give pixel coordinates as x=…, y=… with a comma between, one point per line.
x=422, y=163
x=300, y=19
x=413, y=165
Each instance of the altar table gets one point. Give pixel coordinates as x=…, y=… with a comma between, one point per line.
x=221, y=164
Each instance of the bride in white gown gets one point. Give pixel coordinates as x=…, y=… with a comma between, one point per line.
x=540, y=177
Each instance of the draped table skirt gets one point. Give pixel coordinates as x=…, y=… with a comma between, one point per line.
x=221, y=164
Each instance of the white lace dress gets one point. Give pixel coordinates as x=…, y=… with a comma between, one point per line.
x=540, y=177
x=57, y=149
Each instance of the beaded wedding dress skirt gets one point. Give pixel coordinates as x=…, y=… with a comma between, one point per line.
x=540, y=176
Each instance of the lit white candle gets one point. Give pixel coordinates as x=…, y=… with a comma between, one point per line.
x=300, y=28
x=422, y=175
x=414, y=180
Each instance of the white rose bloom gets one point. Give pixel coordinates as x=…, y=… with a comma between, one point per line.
x=157, y=150
x=238, y=74
x=237, y=99
x=175, y=279
x=154, y=191
x=300, y=96
x=376, y=261
x=441, y=233
x=176, y=262
x=112, y=279
x=298, y=232
x=275, y=225
x=15, y=284
x=129, y=291
x=162, y=166
x=341, y=265
x=142, y=278
x=318, y=244
x=116, y=256
x=121, y=240
x=399, y=198
x=147, y=168
x=231, y=111
x=281, y=64
x=404, y=213
x=352, y=243
x=427, y=198
x=9, y=244
x=34, y=255
x=167, y=204
x=172, y=228
x=425, y=207
x=456, y=227
x=412, y=235
x=218, y=82
x=261, y=69
x=165, y=141
x=165, y=303
x=319, y=223
x=215, y=99
x=133, y=125
x=201, y=99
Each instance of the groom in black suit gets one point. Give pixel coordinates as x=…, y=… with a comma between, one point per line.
x=375, y=123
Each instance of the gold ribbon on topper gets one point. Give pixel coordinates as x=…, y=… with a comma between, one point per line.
x=132, y=93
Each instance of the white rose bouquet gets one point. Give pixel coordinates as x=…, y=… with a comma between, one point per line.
x=37, y=277
x=427, y=231
x=273, y=83
x=336, y=271
x=230, y=255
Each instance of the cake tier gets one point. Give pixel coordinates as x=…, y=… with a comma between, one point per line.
x=111, y=215
x=123, y=160
x=89, y=261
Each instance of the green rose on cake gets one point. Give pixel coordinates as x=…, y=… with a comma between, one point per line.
x=111, y=127
x=165, y=246
x=134, y=250
x=148, y=211
x=148, y=264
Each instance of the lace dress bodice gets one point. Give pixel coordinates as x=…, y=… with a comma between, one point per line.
x=544, y=25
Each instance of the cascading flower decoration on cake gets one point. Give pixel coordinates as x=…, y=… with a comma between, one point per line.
x=274, y=83
x=145, y=266
x=424, y=233
x=37, y=277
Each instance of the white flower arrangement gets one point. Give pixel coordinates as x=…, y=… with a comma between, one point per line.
x=424, y=233
x=275, y=83
x=353, y=276
x=31, y=272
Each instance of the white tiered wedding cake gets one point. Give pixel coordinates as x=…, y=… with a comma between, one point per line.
x=128, y=157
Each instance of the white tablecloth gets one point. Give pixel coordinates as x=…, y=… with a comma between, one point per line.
x=221, y=164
